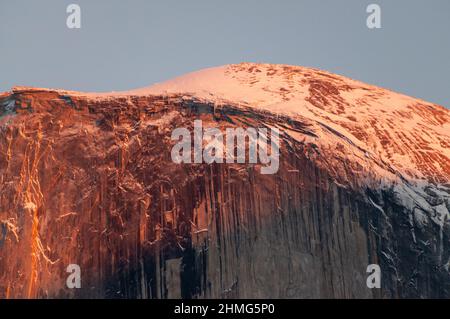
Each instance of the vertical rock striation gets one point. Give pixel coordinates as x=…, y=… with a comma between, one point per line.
x=89, y=180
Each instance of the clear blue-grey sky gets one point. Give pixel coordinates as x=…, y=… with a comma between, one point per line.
x=129, y=44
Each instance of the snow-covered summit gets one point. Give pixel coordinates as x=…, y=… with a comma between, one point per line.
x=411, y=135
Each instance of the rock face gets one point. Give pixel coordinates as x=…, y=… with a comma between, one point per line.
x=88, y=179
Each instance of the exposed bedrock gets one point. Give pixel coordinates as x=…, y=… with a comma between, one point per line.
x=93, y=184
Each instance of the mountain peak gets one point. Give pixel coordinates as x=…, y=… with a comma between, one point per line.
x=410, y=134
x=363, y=178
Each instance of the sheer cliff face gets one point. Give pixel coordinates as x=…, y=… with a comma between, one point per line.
x=87, y=179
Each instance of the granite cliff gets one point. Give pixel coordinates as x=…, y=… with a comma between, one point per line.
x=88, y=179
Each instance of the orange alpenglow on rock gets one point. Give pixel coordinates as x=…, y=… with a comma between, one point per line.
x=87, y=179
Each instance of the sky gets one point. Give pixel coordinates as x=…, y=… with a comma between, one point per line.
x=130, y=44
